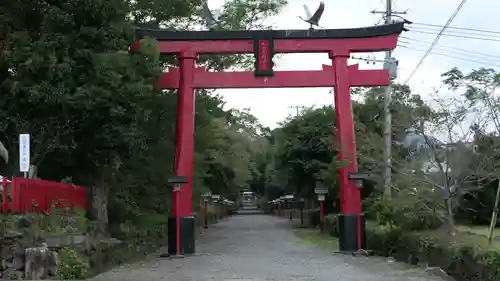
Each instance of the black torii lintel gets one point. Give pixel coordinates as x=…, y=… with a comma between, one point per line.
x=361, y=32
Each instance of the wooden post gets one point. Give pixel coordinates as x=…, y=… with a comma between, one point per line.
x=494, y=215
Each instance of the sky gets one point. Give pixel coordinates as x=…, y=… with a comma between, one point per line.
x=271, y=106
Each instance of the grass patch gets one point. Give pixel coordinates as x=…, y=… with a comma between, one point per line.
x=477, y=229
x=477, y=235
x=322, y=240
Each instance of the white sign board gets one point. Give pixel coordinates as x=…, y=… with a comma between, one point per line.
x=24, y=152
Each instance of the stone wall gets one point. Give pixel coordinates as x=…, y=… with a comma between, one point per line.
x=30, y=254
x=29, y=250
x=22, y=257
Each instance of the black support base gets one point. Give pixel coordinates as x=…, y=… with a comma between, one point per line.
x=187, y=235
x=348, y=232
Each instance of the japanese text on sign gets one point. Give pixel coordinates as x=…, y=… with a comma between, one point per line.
x=24, y=152
x=264, y=55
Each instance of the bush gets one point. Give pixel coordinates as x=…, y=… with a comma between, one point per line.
x=407, y=217
x=331, y=225
x=138, y=240
x=120, y=210
x=461, y=261
x=72, y=265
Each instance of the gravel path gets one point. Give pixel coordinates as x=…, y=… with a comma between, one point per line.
x=262, y=248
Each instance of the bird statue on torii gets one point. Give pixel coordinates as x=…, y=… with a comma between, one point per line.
x=212, y=20
x=313, y=19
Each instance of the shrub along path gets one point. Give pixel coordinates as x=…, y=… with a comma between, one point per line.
x=259, y=248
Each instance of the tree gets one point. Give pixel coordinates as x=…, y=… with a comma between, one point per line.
x=305, y=152
x=406, y=108
x=479, y=88
x=442, y=163
x=92, y=111
x=74, y=67
x=305, y=149
x=435, y=166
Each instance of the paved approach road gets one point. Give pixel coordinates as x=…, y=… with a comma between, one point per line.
x=262, y=248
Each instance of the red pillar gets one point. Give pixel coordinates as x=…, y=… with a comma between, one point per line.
x=5, y=191
x=184, y=138
x=321, y=216
x=351, y=235
x=350, y=200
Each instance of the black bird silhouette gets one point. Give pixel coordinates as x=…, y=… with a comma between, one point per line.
x=313, y=20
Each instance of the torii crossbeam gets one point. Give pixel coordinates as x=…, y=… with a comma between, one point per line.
x=203, y=79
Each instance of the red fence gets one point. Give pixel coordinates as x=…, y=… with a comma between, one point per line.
x=22, y=195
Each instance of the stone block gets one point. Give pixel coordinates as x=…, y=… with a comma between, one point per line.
x=39, y=262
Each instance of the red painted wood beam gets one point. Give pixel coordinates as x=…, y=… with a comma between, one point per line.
x=282, y=79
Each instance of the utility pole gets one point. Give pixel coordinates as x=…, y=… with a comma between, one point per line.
x=297, y=107
x=387, y=174
x=388, y=118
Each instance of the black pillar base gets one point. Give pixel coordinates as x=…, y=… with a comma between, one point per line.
x=187, y=235
x=348, y=232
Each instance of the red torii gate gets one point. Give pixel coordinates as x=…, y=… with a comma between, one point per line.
x=338, y=43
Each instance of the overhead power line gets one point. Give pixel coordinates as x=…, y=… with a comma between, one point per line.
x=372, y=60
x=456, y=32
x=462, y=58
x=456, y=28
x=412, y=41
x=457, y=10
x=445, y=51
x=492, y=39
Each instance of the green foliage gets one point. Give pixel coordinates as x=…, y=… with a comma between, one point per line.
x=38, y=225
x=61, y=220
x=312, y=216
x=476, y=207
x=462, y=260
x=13, y=275
x=387, y=212
x=302, y=155
x=72, y=266
x=331, y=225
x=305, y=149
x=67, y=180
x=393, y=213
x=113, y=131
